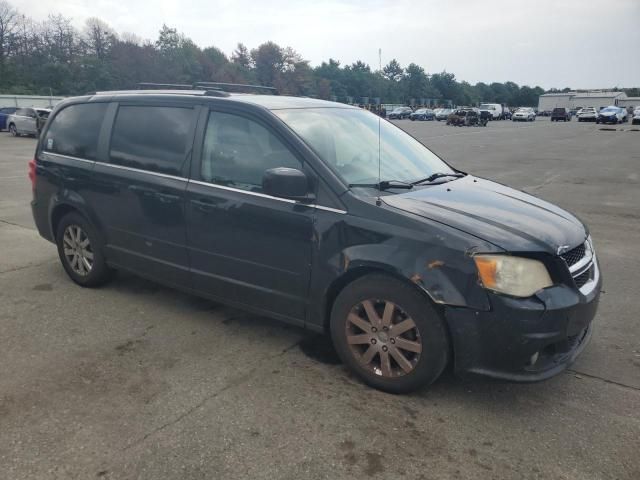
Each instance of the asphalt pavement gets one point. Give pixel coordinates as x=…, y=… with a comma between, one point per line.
x=137, y=381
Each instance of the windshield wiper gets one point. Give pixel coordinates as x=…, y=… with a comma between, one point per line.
x=384, y=185
x=435, y=176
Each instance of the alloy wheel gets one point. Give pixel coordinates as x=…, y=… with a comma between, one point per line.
x=383, y=338
x=77, y=250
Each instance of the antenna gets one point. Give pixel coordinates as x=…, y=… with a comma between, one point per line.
x=379, y=200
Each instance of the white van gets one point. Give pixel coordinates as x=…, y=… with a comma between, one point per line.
x=494, y=108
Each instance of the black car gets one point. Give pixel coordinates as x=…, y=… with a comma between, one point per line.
x=400, y=113
x=561, y=113
x=298, y=209
x=423, y=114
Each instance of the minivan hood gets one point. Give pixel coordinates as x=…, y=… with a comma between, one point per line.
x=508, y=218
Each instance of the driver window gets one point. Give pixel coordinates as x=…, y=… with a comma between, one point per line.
x=237, y=151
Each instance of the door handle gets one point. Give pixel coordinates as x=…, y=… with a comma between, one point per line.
x=141, y=190
x=167, y=197
x=203, y=205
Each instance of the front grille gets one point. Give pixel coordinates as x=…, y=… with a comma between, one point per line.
x=574, y=256
x=582, y=278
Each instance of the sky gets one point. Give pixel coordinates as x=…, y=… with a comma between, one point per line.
x=550, y=43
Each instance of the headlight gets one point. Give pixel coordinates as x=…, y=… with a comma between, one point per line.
x=517, y=276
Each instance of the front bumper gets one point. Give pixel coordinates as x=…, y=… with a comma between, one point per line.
x=607, y=119
x=523, y=340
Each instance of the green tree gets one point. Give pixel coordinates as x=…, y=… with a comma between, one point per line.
x=392, y=71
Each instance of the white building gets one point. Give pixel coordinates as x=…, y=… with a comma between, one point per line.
x=571, y=100
x=596, y=99
x=632, y=102
x=549, y=101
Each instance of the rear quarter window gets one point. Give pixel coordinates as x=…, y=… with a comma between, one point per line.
x=153, y=138
x=75, y=130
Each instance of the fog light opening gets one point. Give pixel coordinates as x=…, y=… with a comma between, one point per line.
x=534, y=359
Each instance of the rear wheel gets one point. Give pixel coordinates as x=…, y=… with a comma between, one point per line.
x=80, y=251
x=389, y=334
x=13, y=130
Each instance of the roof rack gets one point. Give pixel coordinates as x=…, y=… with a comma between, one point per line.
x=164, y=86
x=210, y=89
x=234, y=87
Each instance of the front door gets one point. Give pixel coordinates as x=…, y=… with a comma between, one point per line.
x=139, y=192
x=247, y=247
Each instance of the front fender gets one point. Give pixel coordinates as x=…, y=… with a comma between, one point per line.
x=434, y=257
x=447, y=276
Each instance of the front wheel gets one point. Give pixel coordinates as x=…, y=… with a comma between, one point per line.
x=389, y=334
x=80, y=251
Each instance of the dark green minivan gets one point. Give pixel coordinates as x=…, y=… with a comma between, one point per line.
x=321, y=215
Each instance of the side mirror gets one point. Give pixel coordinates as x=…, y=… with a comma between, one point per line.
x=285, y=183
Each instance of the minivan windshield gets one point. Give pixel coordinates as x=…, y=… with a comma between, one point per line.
x=347, y=141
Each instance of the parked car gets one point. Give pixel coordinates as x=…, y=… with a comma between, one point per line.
x=400, y=113
x=524, y=114
x=443, y=113
x=612, y=114
x=27, y=121
x=321, y=217
x=468, y=117
x=494, y=108
x=4, y=115
x=587, y=114
x=635, y=119
x=506, y=114
x=422, y=114
x=561, y=113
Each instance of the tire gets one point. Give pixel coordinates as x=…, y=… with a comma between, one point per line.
x=98, y=273
x=13, y=130
x=421, y=367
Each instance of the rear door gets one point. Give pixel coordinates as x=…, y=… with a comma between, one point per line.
x=247, y=247
x=28, y=121
x=138, y=193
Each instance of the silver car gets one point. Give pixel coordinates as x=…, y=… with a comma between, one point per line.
x=27, y=121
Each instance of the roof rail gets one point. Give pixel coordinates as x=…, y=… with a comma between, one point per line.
x=164, y=86
x=234, y=87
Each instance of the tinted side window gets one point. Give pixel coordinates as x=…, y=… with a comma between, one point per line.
x=237, y=151
x=75, y=130
x=151, y=138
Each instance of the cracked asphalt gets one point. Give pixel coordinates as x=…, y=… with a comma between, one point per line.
x=136, y=381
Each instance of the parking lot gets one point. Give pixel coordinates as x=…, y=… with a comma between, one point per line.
x=134, y=380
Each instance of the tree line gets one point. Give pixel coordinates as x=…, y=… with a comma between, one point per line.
x=52, y=57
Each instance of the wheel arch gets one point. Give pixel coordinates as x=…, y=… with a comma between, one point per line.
x=71, y=203
x=353, y=274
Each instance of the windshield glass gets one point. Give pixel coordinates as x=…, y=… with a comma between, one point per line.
x=609, y=110
x=484, y=106
x=347, y=141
